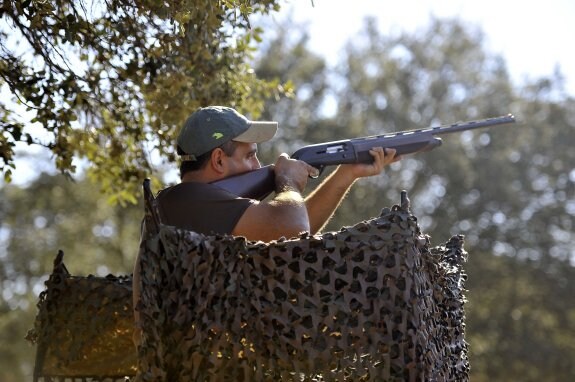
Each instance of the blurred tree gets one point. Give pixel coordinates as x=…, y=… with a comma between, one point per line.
x=112, y=81
x=519, y=319
x=509, y=189
x=35, y=222
x=404, y=82
x=286, y=57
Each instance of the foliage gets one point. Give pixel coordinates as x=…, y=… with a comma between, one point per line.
x=112, y=81
x=520, y=319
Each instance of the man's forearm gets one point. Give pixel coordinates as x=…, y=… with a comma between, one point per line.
x=324, y=200
x=322, y=203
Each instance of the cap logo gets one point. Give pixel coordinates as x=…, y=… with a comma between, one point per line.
x=217, y=135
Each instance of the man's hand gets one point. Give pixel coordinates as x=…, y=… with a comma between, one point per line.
x=292, y=174
x=381, y=158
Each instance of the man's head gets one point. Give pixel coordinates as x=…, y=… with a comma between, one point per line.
x=219, y=129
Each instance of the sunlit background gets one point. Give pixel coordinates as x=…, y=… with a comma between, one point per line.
x=511, y=191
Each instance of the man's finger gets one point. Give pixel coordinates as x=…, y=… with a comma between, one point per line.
x=389, y=151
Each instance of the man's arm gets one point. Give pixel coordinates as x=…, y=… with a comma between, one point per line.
x=284, y=215
x=324, y=200
x=288, y=214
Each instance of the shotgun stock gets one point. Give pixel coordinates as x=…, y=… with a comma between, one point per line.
x=258, y=184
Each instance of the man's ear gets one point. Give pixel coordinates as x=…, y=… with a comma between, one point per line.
x=217, y=160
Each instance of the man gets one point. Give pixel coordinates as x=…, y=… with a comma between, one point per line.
x=217, y=142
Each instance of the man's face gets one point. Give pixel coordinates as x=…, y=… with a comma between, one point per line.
x=244, y=159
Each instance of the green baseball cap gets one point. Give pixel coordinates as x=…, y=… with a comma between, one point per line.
x=212, y=126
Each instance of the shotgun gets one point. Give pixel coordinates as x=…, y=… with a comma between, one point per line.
x=258, y=184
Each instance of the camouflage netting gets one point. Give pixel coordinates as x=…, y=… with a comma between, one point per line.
x=371, y=302
x=84, y=327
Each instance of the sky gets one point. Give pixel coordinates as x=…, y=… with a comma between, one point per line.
x=534, y=37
